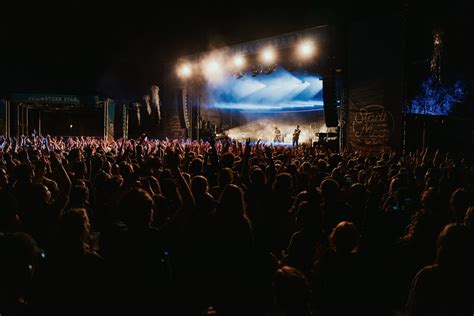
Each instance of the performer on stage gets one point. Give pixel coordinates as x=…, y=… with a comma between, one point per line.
x=296, y=136
x=277, y=136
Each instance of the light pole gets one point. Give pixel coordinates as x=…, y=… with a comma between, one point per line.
x=184, y=72
x=198, y=112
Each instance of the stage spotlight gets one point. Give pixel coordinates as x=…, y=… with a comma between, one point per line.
x=268, y=56
x=239, y=61
x=306, y=49
x=185, y=70
x=211, y=67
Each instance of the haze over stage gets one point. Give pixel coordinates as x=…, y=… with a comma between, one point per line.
x=278, y=91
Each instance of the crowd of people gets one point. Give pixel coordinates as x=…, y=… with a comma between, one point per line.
x=175, y=227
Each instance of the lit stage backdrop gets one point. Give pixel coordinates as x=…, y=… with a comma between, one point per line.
x=259, y=103
x=279, y=91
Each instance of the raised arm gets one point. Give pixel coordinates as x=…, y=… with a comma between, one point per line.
x=272, y=173
x=173, y=161
x=64, y=182
x=244, y=171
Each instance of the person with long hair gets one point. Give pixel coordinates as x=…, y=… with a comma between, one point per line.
x=75, y=274
x=338, y=274
x=232, y=253
x=291, y=292
x=445, y=288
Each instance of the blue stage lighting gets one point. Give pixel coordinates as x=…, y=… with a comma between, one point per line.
x=278, y=91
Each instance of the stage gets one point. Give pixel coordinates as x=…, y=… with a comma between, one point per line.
x=247, y=90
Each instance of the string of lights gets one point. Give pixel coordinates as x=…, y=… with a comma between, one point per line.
x=213, y=66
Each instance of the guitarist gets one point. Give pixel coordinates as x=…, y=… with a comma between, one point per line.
x=277, y=135
x=296, y=136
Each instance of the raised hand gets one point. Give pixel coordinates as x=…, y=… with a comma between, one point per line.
x=172, y=159
x=248, y=149
x=268, y=152
x=88, y=151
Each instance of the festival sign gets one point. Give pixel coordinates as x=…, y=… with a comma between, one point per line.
x=46, y=98
x=371, y=121
x=371, y=126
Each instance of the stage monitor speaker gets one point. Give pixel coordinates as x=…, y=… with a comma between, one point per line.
x=330, y=103
x=183, y=112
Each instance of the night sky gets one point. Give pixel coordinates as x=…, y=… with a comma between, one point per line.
x=118, y=50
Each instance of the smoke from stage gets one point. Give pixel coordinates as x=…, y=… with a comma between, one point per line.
x=260, y=103
x=264, y=129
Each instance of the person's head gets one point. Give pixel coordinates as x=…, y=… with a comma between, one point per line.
x=79, y=195
x=344, y=238
x=291, y=291
x=432, y=177
x=292, y=169
x=112, y=186
x=126, y=170
x=283, y=184
x=358, y=193
x=38, y=195
x=297, y=126
x=169, y=189
x=322, y=165
x=257, y=176
x=199, y=186
x=455, y=248
x=227, y=160
x=329, y=190
x=195, y=167
x=301, y=197
x=98, y=162
x=74, y=230
x=430, y=200
x=231, y=203
x=17, y=266
x=460, y=201
x=394, y=185
x=309, y=217
x=136, y=208
x=24, y=173
x=225, y=177
x=80, y=169
x=306, y=167
x=469, y=217
x=75, y=155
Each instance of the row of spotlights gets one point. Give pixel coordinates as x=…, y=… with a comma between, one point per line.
x=268, y=56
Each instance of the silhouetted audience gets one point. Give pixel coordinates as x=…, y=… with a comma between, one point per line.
x=179, y=227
